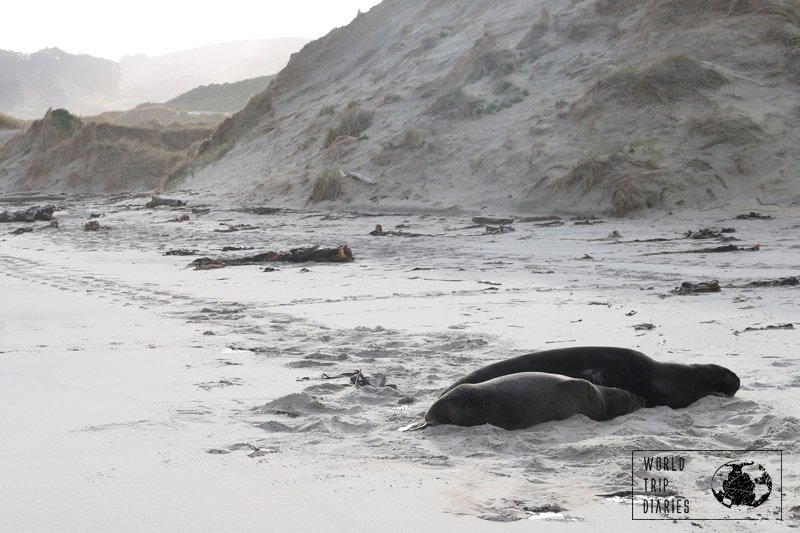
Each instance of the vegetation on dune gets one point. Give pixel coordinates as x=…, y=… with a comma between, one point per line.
x=672, y=77
x=483, y=59
x=537, y=30
x=456, y=104
x=353, y=121
x=732, y=127
x=664, y=11
x=329, y=185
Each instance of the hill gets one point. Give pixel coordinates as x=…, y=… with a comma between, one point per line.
x=219, y=97
x=609, y=106
x=30, y=83
x=160, y=78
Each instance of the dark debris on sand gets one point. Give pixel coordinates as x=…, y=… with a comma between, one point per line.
x=697, y=288
x=752, y=215
x=341, y=254
x=711, y=233
x=766, y=328
x=32, y=214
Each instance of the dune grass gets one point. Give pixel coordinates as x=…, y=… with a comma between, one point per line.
x=353, y=121
x=329, y=185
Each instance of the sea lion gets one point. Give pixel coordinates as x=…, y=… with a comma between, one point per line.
x=669, y=384
x=521, y=400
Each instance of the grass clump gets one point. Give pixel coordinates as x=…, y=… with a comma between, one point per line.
x=669, y=78
x=483, y=59
x=669, y=10
x=536, y=31
x=353, y=121
x=456, y=104
x=732, y=127
x=513, y=95
x=63, y=119
x=328, y=185
x=674, y=76
x=326, y=110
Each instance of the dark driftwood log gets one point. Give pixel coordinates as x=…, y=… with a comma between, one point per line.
x=342, y=254
x=157, y=201
x=28, y=215
x=489, y=221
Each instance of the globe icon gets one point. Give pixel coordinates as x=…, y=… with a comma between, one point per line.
x=741, y=483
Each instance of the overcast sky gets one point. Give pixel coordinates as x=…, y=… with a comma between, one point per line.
x=113, y=29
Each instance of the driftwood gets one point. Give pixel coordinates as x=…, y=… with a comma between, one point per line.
x=495, y=230
x=342, y=254
x=543, y=218
x=489, y=221
x=380, y=232
x=31, y=214
x=259, y=210
x=791, y=281
x=182, y=251
x=157, y=201
x=20, y=231
x=752, y=215
x=697, y=288
x=359, y=177
x=766, y=328
x=714, y=250
x=230, y=228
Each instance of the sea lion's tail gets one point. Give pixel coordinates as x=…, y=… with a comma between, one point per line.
x=421, y=424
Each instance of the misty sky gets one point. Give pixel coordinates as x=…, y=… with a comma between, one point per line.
x=114, y=29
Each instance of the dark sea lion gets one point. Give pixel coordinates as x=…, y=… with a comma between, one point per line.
x=669, y=384
x=524, y=399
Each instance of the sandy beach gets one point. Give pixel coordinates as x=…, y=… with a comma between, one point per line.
x=138, y=391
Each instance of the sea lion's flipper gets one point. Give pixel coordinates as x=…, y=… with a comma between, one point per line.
x=422, y=424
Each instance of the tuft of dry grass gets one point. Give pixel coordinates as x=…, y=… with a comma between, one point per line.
x=669, y=78
x=638, y=190
x=456, y=104
x=732, y=127
x=627, y=185
x=328, y=185
x=589, y=173
x=665, y=11
x=353, y=121
x=483, y=59
x=537, y=30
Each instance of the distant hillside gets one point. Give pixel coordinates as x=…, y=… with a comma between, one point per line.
x=159, y=116
x=158, y=79
x=11, y=123
x=220, y=97
x=611, y=106
x=30, y=83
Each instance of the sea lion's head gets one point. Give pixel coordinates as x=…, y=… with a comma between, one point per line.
x=461, y=406
x=715, y=379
